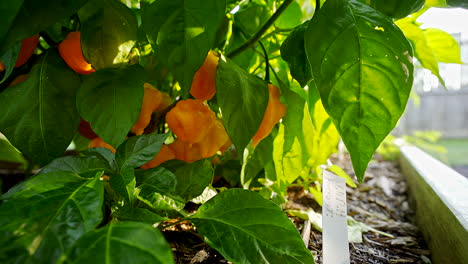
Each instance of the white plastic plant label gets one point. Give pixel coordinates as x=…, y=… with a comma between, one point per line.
x=334, y=222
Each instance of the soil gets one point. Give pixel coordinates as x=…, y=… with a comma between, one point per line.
x=380, y=202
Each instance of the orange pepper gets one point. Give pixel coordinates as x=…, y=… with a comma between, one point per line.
x=71, y=53
x=152, y=101
x=99, y=143
x=86, y=130
x=274, y=112
x=190, y=120
x=185, y=152
x=214, y=140
x=204, y=80
x=28, y=46
x=163, y=155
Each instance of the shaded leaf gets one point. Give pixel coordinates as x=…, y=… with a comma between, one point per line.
x=48, y=222
x=243, y=99
x=365, y=89
x=246, y=228
x=110, y=100
x=157, y=179
x=293, y=52
x=193, y=178
x=139, y=150
x=39, y=115
x=126, y=242
x=83, y=166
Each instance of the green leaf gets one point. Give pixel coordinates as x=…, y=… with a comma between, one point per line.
x=251, y=17
x=366, y=87
x=48, y=222
x=395, y=8
x=457, y=3
x=110, y=100
x=33, y=17
x=9, y=60
x=108, y=33
x=256, y=160
x=102, y=153
x=157, y=179
x=39, y=115
x=341, y=173
x=246, y=228
x=140, y=215
x=139, y=150
x=293, y=52
x=291, y=17
x=10, y=154
x=42, y=183
x=182, y=33
x=192, y=178
x=422, y=50
x=123, y=182
x=445, y=46
x=126, y=242
x=83, y=166
x=243, y=99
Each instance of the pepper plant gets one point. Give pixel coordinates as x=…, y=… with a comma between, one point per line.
x=132, y=109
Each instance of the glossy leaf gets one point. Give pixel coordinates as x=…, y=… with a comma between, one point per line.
x=83, y=166
x=123, y=182
x=126, y=242
x=39, y=115
x=110, y=100
x=246, y=228
x=33, y=17
x=108, y=33
x=293, y=52
x=48, y=222
x=157, y=179
x=422, y=50
x=366, y=87
x=140, y=215
x=242, y=99
x=193, y=178
x=139, y=150
x=445, y=46
x=182, y=33
x=396, y=8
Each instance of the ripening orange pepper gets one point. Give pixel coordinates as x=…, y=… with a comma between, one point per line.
x=71, y=53
x=28, y=46
x=190, y=120
x=153, y=100
x=204, y=80
x=214, y=140
x=186, y=152
x=165, y=154
x=99, y=143
x=274, y=112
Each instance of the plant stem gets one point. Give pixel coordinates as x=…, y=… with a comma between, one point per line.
x=317, y=6
x=261, y=31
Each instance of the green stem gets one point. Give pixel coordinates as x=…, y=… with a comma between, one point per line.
x=317, y=6
x=267, y=63
x=261, y=31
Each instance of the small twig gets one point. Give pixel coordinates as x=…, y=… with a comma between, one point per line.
x=306, y=233
x=261, y=31
x=156, y=118
x=172, y=224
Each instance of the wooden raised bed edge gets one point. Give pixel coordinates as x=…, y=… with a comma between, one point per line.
x=439, y=196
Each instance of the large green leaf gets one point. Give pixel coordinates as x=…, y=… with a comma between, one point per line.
x=422, y=50
x=33, y=17
x=182, y=32
x=83, y=166
x=246, y=228
x=49, y=219
x=243, y=99
x=293, y=52
x=445, y=46
x=362, y=65
x=126, y=242
x=139, y=150
x=39, y=115
x=193, y=178
x=110, y=100
x=157, y=179
x=10, y=154
x=108, y=33
x=291, y=17
x=396, y=8
x=256, y=160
